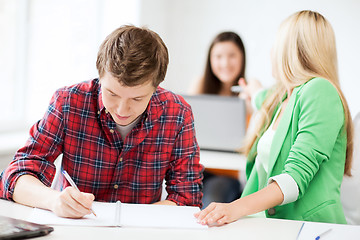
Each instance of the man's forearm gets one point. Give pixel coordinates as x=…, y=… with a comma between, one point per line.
x=32, y=192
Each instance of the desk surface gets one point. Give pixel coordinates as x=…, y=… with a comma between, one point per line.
x=246, y=228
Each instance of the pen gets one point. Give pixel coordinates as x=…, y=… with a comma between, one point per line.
x=67, y=176
x=236, y=89
x=322, y=234
x=301, y=228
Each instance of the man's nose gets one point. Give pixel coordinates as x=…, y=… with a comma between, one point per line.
x=122, y=108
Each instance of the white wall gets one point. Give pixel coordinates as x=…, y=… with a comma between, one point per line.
x=188, y=26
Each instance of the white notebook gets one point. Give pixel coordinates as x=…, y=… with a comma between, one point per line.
x=126, y=214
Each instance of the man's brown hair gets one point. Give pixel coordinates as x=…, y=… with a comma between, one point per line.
x=134, y=56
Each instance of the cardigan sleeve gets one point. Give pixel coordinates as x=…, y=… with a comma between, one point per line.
x=320, y=121
x=259, y=98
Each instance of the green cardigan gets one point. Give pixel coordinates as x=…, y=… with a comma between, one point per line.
x=310, y=146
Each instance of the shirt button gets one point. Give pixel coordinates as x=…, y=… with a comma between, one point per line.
x=106, y=111
x=99, y=112
x=116, y=186
x=120, y=159
x=112, y=130
x=271, y=211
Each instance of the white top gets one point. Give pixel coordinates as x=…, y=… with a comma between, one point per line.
x=124, y=130
x=286, y=183
x=262, y=158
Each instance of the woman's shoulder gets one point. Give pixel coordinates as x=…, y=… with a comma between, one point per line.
x=319, y=93
x=318, y=83
x=196, y=86
x=318, y=86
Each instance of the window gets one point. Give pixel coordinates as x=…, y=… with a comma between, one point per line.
x=12, y=18
x=49, y=44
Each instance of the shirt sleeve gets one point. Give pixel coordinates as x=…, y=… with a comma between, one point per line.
x=184, y=180
x=288, y=187
x=40, y=151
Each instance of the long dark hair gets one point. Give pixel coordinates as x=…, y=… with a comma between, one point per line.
x=211, y=84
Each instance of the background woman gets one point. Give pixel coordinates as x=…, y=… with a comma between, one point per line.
x=225, y=65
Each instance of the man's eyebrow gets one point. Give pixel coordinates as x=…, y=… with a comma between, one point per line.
x=141, y=96
x=107, y=89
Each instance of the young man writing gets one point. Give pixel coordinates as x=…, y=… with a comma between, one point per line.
x=120, y=135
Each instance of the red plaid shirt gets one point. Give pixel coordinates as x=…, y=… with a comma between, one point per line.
x=161, y=146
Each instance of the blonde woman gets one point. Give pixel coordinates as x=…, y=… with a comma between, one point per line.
x=303, y=144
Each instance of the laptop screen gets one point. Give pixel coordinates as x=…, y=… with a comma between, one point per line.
x=220, y=121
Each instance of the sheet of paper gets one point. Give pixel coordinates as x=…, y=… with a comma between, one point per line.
x=105, y=216
x=311, y=230
x=133, y=215
x=160, y=216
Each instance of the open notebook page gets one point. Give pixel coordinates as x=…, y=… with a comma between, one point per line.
x=159, y=216
x=125, y=214
x=105, y=216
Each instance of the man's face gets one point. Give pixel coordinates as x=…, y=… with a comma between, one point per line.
x=125, y=103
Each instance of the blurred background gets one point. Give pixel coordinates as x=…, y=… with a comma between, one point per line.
x=47, y=44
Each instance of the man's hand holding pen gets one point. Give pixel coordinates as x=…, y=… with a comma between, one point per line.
x=72, y=203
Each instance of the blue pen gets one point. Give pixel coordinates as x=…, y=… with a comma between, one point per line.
x=301, y=228
x=322, y=234
x=72, y=183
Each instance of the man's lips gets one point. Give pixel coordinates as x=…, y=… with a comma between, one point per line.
x=122, y=117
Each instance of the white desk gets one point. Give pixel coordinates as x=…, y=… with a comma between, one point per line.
x=223, y=160
x=247, y=228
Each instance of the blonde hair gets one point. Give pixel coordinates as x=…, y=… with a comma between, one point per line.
x=304, y=48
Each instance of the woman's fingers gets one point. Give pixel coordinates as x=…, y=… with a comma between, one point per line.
x=202, y=214
x=217, y=214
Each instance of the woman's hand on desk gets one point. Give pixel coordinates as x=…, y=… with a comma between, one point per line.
x=72, y=203
x=222, y=213
x=219, y=214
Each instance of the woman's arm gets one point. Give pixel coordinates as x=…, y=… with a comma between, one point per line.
x=222, y=213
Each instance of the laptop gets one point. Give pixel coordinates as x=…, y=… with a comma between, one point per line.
x=220, y=121
x=11, y=228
